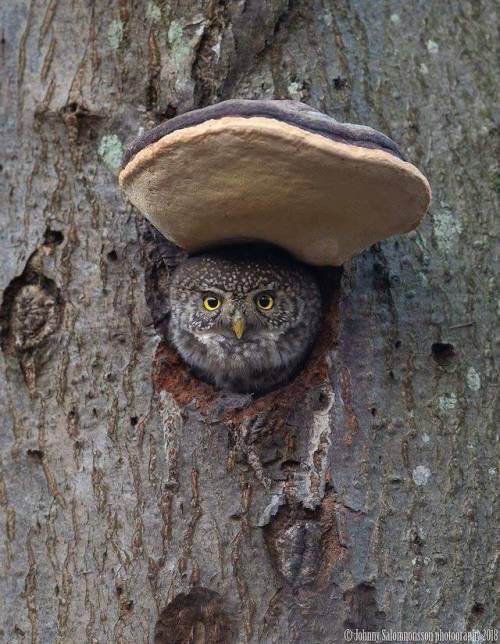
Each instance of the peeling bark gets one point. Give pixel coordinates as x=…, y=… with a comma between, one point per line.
x=139, y=505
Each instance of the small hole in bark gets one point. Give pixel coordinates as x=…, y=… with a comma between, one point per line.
x=397, y=344
x=35, y=454
x=134, y=420
x=112, y=256
x=339, y=83
x=478, y=609
x=373, y=411
x=443, y=352
x=322, y=398
x=290, y=464
x=53, y=237
x=70, y=107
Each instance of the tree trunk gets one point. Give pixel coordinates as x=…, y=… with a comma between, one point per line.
x=138, y=505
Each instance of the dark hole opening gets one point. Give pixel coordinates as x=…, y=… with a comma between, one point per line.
x=53, y=237
x=339, y=83
x=290, y=463
x=478, y=609
x=443, y=352
x=35, y=454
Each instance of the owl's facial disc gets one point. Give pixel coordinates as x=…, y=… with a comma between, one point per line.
x=244, y=316
x=239, y=315
x=244, y=319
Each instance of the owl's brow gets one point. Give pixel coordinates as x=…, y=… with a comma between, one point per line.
x=271, y=286
x=267, y=287
x=199, y=289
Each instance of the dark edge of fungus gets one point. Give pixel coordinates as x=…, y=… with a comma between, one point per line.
x=292, y=112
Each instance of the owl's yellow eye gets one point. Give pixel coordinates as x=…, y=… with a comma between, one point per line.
x=264, y=301
x=211, y=302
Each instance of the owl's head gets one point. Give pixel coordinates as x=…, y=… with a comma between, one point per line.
x=244, y=317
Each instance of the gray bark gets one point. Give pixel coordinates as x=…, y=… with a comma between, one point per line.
x=135, y=501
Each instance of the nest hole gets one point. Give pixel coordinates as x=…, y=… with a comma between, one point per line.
x=173, y=375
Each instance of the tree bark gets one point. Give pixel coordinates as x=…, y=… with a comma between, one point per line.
x=138, y=505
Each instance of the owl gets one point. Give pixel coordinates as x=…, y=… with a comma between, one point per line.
x=244, y=318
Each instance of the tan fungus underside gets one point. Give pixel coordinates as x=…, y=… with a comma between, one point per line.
x=257, y=178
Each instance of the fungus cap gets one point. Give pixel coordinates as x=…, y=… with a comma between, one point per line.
x=273, y=171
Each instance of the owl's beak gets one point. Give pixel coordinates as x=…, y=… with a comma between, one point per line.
x=238, y=325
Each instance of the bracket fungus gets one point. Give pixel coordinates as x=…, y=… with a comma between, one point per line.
x=273, y=171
